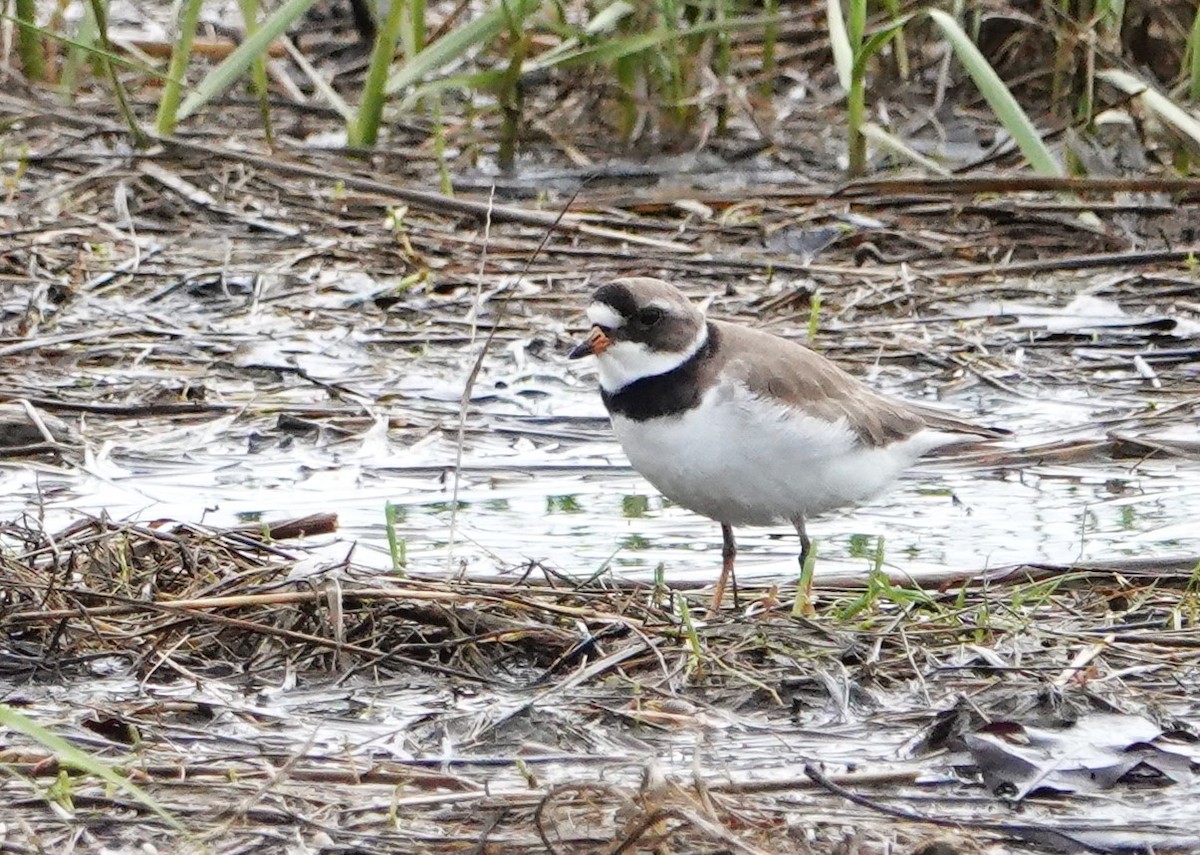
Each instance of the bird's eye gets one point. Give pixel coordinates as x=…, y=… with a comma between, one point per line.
x=649, y=316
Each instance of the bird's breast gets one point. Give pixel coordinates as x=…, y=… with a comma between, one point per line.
x=741, y=459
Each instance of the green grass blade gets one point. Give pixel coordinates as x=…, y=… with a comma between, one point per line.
x=609, y=51
x=695, y=658
x=181, y=53
x=98, y=53
x=85, y=34
x=608, y=17
x=770, y=39
x=456, y=44
x=614, y=49
x=802, y=605
x=875, y=44
x=140, y=137
x=814, y=320
x=30, y=46
x=902, y=63
x=365, y=129
x=413, y=32
x=236, y=64
x=1005, y=106
x=258, y=70
x=70, y=756
x=445, y=182
x=397, y=547
x=1193, y=43
x=856, y=23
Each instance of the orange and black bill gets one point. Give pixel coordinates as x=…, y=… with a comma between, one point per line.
x=596, y=343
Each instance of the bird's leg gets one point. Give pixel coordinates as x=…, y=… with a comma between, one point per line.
x=805, y=551
x=728, y=553
x=805, y=543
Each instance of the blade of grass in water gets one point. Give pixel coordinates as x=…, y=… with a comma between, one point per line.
x=397, y=546
x=695, y=658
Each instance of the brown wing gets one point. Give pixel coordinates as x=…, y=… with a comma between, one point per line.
x=807, y=380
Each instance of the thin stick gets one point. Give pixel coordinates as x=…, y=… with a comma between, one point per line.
x=460, y=434
x=501, y=311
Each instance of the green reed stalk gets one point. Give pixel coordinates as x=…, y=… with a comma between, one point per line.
x=903, y=67
x=439, y=148
x=802, y=605
x=509, y=93
x=140, y=138
x=397, y=546
x=232, y=67
x=770, y=38
x=856, y=98
x=258, y=69
x=78, y=53
x=1193, y=49
x=724, y=62
x=365, y=129
x=412, y=36
x=181, y=54
x=30, y=46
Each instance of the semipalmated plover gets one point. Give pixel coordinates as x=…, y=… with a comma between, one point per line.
x=742, y=426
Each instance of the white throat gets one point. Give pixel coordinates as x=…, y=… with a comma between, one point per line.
x=625, y=362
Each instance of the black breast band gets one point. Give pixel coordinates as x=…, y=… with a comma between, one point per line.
x=667, y=394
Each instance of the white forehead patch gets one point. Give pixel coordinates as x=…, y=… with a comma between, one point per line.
x=604, y=315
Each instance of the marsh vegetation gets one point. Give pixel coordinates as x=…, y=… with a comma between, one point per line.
x=311, y=539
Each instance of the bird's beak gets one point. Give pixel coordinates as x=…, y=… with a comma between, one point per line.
x=595, y=344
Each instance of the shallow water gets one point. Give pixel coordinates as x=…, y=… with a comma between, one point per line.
x=543, y=481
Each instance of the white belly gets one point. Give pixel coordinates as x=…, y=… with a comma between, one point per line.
x=744, y=461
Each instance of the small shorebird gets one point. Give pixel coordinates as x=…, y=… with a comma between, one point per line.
x=742, y=426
